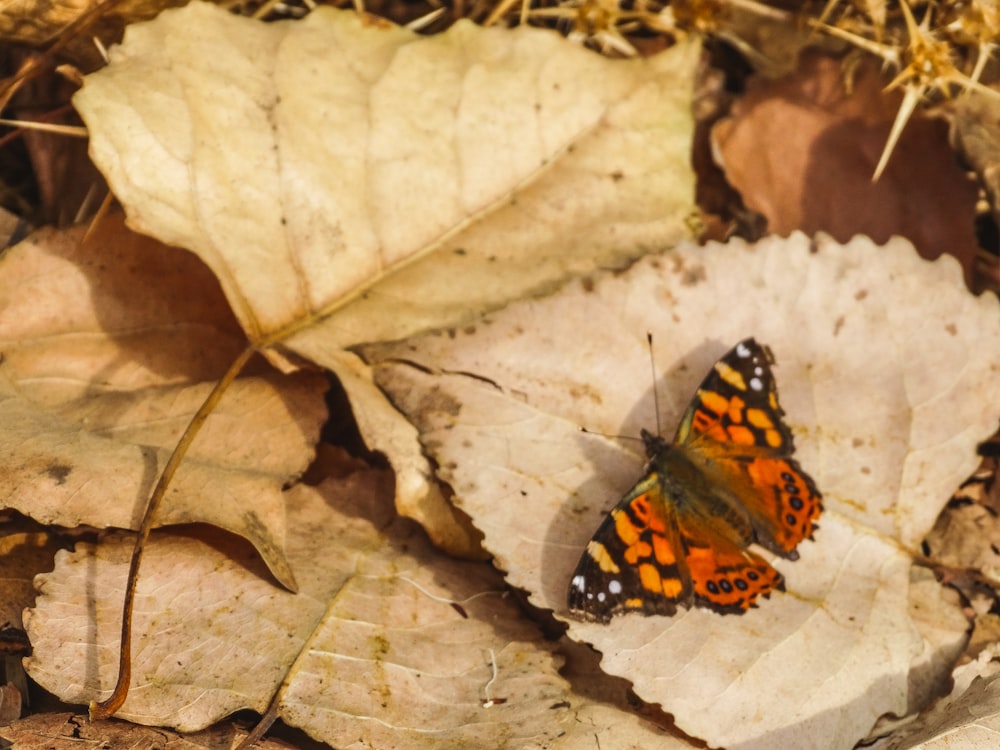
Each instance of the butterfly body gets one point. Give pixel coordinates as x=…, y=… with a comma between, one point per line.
x=682, y=534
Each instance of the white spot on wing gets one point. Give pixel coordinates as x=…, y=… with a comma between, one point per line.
x=578, y=583
x=615, y=586
x=742, y=351
x=756, y=384
x=601, y=597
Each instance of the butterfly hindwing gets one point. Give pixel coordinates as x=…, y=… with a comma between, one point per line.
x=725, y=575
x=635, y=561
x=784, y=504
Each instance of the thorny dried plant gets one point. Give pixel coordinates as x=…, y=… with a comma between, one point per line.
x=945, y=53
x=929, y=59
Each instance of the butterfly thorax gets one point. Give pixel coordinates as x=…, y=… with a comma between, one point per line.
x=690, y=482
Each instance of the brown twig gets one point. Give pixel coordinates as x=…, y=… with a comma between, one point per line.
x=107, y=708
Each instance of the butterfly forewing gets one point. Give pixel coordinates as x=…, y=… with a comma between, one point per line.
x=736, y=405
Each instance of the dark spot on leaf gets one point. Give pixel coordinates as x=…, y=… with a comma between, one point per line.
x=59, y=472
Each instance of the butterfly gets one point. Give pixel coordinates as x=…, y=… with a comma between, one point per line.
x=727, y=480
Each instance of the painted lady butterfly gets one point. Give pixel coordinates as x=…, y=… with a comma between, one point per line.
x=727, y=480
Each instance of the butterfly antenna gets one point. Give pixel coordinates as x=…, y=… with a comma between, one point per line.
x=652, y=369
x=613, y=437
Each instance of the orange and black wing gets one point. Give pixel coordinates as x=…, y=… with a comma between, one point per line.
x=725, y=575
x=736, y=427
x=636, y=560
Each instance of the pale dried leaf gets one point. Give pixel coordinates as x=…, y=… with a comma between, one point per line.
x=371, y=651
x=389, y=639
x=599, y=725
x=432, y=133
x=110, y=346
x=976, y=134
x=884, y=363
x=938, y=614
x=350, y=181
x=968, y=719
x=418, y=496
x=605, y=708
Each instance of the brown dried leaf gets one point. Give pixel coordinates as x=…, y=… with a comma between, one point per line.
x=109, y=347
x=968, y=536
x=22, y=557
x=802, y=152
x=64, y=731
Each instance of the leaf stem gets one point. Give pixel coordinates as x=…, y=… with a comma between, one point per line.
x=107, y=708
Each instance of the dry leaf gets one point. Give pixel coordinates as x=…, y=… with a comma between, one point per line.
x=370, y=650
x=10, y=704
x=387, y=644
x=883, y=385
x=22, y=556
x=967, y=719
x=802, y=152
x=64, y=731
x=972, y=721
x=350, y=181
x=968, y=536
x=975, y=132
x=109, y=347
x=938, y=613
